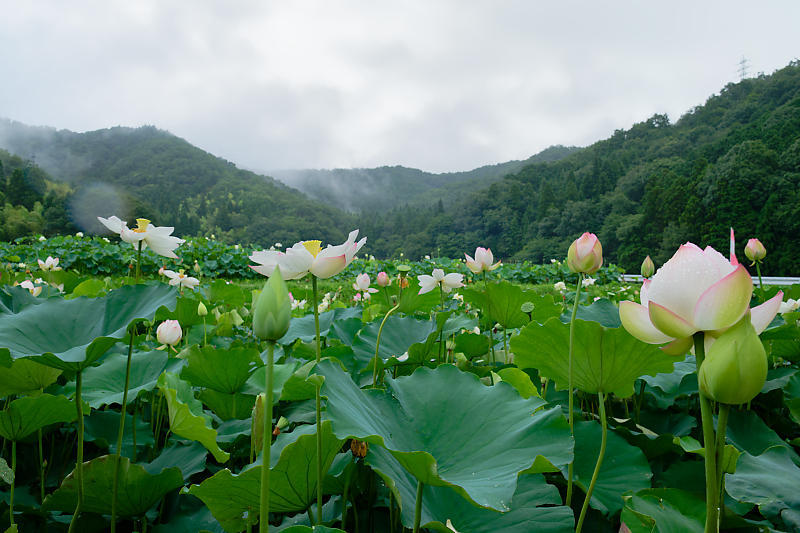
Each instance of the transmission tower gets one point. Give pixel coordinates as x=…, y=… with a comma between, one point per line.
x=744, y=67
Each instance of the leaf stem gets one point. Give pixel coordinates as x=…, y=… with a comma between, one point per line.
x=318, y=401
x=378, y=345
x=600, y=456
x=707, y=419
x=418, y=507
x=120, y=432
x=722, y=425
x=266, y=443
x=79, y=462
x=13, y=482
x=571, y=466
x=138, y=260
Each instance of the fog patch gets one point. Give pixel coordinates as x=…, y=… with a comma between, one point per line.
x=97, y=200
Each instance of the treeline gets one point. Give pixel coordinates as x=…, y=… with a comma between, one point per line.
x=733, y=162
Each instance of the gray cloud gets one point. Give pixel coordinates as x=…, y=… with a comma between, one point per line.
x=439, y=85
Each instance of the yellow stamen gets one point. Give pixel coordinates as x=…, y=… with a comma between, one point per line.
x=142, y=225
x=314, y=247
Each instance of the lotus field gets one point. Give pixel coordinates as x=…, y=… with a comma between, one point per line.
x=153, y=384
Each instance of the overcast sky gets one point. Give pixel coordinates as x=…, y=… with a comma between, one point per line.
x=441, y=85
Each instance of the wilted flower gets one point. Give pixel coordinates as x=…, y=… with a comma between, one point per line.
x=696, y=290
x=648, y=267
x=482, y=262
x=383, y=279
x=308, y=256
x=169, y=333
x=755, y=251
x=51, y=263
x=181, y=280
x=585, y=254
x=447, y=282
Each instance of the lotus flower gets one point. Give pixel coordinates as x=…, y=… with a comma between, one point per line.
x=308, y=256
x=181, y=280
x=362, y=284
x=169, y=333
x=383, y=279
x=447, y=282
x=51, y=263
x=696, y=290
x=35, y=290
x=482, y=262
x=648, y=267
x=755, y=251
x=585, y=254
x=158, y=238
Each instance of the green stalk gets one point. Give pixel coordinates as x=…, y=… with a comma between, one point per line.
x=505, y=343
x=599, y=463
x=760, y=283
x=13, y=479
x=138, y=260
x=707, y=419
x=491, y=328
x=314, y=296
x=570, y=468
x=41, y=463
x=120, y=432
x=418, y=507
x=79, y=462
x=205, y=340
x=441, y=333
x=266, y=443
x=378, y=345
x=722, y=424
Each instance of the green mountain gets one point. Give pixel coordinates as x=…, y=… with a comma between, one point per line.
x=146, y=172
x=732, y=162
x=378, y=189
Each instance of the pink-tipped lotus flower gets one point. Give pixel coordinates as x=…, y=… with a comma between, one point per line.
x=362, y=284
x=383, y=279
x=169, y=333
x=448, y=282
x=585, y=254
x=755, y=251
x=482, y=262
x=158, y=238
x=308, y=256
x=181, y=280
x=51, y=263
x=696, y=290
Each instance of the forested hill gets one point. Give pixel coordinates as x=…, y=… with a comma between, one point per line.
x=146, y=172
x=369, y=189
x=734, y=161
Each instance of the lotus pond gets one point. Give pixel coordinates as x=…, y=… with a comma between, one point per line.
x=390, y=410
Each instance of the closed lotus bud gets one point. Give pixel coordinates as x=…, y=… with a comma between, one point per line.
x=258, y=421
x=585, y=254
x=735, y=367
x=201, y=309
x=169, y=332
x=648, y=267
x=358, y=448
x=755, y=251
x=461, y=361
x=273, y=309
x=383, y=279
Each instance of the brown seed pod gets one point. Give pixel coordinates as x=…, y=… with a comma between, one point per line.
x=358, y=448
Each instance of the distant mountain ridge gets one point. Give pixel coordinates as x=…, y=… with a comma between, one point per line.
x=365, y=189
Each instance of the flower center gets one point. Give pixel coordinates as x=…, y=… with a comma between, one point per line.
x=313, y=247
x=142, y=225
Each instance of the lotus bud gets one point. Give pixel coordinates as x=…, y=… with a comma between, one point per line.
x=755, y=251
x=169, y=332
x=201, y=309
x=648, y=267
x=735, y=367
x=273, y=309
x=585, y=254
x=383, y=279
x=258, y=421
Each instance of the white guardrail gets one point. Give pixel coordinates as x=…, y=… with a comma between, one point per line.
x=767, y=280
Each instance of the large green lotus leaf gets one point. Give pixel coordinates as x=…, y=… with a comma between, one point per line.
x=315, y=529
x=72, y=334
x=446, y=324
x=101, y=428
x=346, y=330
x=607, y=360
x=15, y=299
x=186, y=416
x=303, y=328
x=23, y=416
x=138, y=489
x=190, y=458
x=664, y=510
x=412, y=302
x=444, y=442
x=501, y=302
x=440, y=504
x=91, y=287
x=749, y=433
x=472, y=344
x=224, y=292
x=603, y=311
x=104, y=384
x=25, y=376
x=778, y=378
x=292, y=482
x=191, y=516
x=769, y=480
x=281, y=373
x=399, y=333
x=185, y=312
x=624, y=468
x=228, y=406
x=221, y=370
x=668, y=386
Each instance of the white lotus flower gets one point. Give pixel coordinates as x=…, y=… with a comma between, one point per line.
x=482, y=262
x=169, y=333
x=33, y=289
x=362, y=284
x=308, y=256
x=51, y=263
x=588, y=282
x=560, y=286
x=789, y=305
x=181, y=280
x=158, y=238
x=438, y=278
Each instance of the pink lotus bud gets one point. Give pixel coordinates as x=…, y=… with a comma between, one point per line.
x=755, y=251
x=383, y=279
x=169, y=332
x=585, y=254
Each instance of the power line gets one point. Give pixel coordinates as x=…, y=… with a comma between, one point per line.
x=744, y=68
